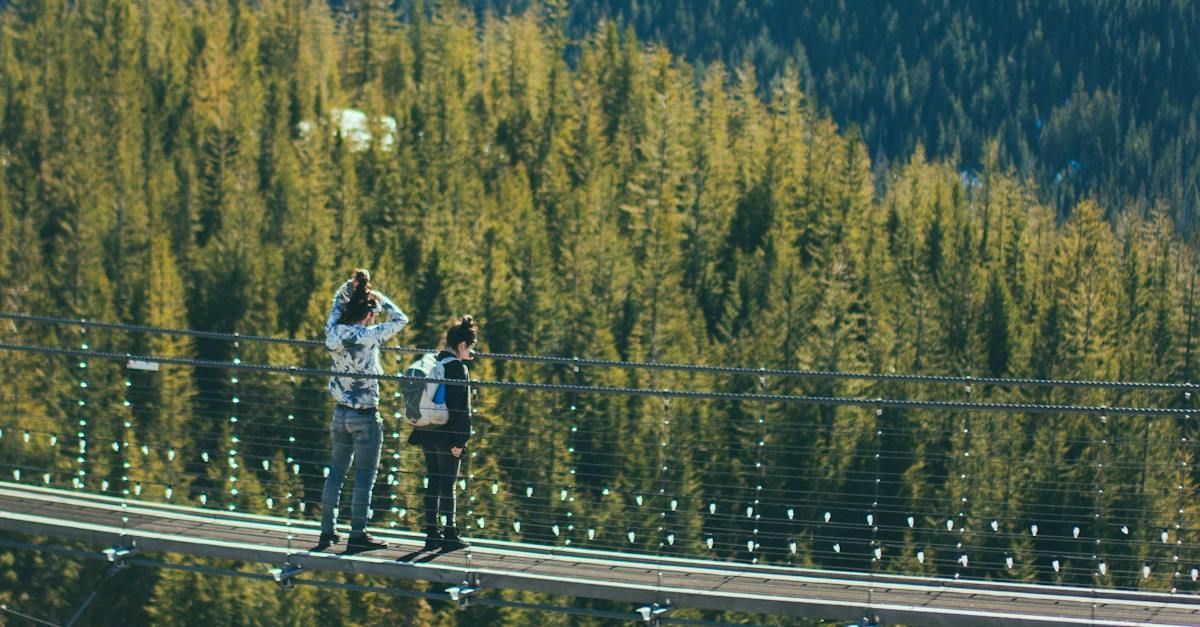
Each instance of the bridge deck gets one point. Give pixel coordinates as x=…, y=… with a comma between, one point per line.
x=633, y=578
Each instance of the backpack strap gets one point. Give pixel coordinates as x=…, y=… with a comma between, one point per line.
x=442, y=363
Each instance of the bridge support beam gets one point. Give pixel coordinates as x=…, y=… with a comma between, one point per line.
x=461, y=594
x=650, y=614
x=119, y=555
x=285, y=575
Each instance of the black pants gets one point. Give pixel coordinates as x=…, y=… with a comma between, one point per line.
x=442, y=469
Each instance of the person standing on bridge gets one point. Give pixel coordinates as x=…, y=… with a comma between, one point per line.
x=444, y=445
x=353, y=339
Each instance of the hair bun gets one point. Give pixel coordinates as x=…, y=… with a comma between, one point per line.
x=362, y=300
x=461, y=329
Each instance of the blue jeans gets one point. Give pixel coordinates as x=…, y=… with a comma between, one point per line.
x=357, y=437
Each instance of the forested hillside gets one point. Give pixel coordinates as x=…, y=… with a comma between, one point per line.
x=1092, y=98
x=186, y=165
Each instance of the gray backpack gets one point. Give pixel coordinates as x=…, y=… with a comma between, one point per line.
x=425, y=403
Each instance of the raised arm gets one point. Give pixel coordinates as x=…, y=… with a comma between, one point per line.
x=397, y=319
x=340, y=298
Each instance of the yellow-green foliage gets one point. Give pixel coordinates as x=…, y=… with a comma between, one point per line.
x=184, y=164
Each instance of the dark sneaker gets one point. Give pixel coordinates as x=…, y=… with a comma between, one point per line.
x=451, y=541
x=433, y=539
x=364, y=542
x=326, y=540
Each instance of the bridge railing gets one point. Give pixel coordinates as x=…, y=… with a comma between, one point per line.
x=1088, y=483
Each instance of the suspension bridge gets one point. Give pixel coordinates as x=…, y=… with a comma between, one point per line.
x=766, y=531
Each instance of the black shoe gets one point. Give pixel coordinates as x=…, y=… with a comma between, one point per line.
x=433, y=539
x=326, y=540
x=451, y=541
x=364, y=542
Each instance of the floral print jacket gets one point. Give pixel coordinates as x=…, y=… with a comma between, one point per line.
x=355, y=348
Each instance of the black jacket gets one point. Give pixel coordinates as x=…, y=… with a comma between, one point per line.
x=457, y=430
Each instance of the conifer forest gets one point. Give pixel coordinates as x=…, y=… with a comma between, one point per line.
x=933, y=187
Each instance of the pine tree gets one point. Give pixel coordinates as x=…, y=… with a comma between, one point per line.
x=994, y=328
x=191, y=598
x=1084, y=261
x=8, y=226
x=168, y=406
x=117, y=65
x=371, y=26
x=231, y=482
x=708, y=221
x=168, y=150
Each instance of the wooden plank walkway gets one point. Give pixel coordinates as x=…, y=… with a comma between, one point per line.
x=637, y=579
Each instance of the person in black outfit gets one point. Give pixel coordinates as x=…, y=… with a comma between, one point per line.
x=444, y=445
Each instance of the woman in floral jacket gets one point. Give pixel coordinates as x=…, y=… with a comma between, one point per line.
x=353, y=339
